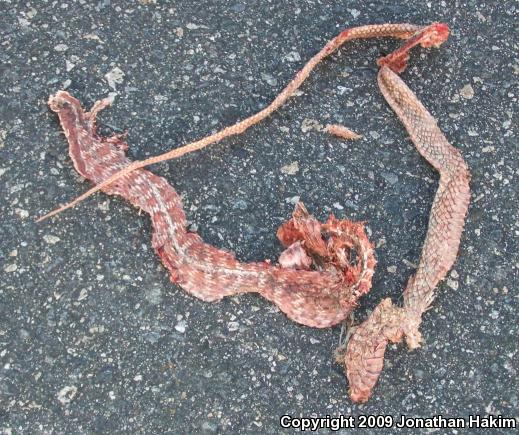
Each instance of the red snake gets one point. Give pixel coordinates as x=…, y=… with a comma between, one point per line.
x=325, y=268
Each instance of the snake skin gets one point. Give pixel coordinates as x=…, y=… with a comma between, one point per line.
x=364, y=357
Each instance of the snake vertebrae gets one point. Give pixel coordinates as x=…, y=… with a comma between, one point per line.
x=325, y=267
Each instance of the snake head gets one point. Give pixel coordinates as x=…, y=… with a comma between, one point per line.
x=430, y=36
x=435, y=35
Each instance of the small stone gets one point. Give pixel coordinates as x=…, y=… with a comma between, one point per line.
x=10, y=268
x=389, y=177
x=419, y=373
x=208, y=426
x=453, y=284
x=66, y=394
x=93, y=37
x=293, y=56
x=409, y=263
x=233, y=326
x=23, y=22
x=290, y=169
x=114, y=77
x=96, y=329
x=83, y=294
x=153, y=295
x=480, y=16
x=310, y=124
x=240, y=204
x=104, y=206
x=31, y=13
x=152, y=336
x=181, y=326
x=22, y=213
x=354, y=12
x=238, y=7
x=269, y=79
x=61, y=47
x=293, y=200
x=179, y=31
x=391, y=269
x=467, y=92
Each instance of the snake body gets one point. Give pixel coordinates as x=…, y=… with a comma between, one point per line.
x=319, y=298
x=388, y=323
x=326, y=267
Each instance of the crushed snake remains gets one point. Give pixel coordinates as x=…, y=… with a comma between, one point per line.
x=325, y=267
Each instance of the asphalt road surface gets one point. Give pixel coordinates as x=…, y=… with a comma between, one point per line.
x=94, y=337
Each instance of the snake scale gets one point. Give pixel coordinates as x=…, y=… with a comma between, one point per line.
x=325, y=267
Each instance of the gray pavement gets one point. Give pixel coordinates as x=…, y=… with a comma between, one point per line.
x=93, y=336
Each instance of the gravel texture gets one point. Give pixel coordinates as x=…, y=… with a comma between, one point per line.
x=94, y=337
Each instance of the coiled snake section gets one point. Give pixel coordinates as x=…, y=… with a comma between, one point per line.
x=317, y=282
x=325, y=267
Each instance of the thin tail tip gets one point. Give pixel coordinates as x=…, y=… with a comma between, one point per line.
x=44, y=217
x=57, y=211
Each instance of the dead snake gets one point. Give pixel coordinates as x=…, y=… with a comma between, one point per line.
x=316, y=283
